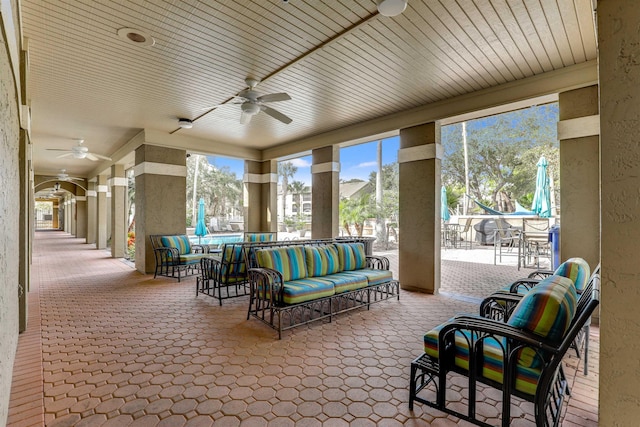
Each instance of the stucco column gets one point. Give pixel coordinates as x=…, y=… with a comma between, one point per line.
x=161, y=198
x=101, y=210
x=72, y=215
x=118, y=185
x=419, y=161
x=92, y=212
x=260, y=195
x=619, y=71
x=579, y=135
x=25, y=224
x=81, y=214
x=325, y=192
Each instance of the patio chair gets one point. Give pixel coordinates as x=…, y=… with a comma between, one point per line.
x=462, y=234
x=535, y=242
x=506, y=241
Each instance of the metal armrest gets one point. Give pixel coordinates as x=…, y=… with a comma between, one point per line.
x=266, y=284
x=377, y=262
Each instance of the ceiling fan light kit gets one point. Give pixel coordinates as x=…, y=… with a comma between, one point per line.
x=391, y=7
x=185, y=123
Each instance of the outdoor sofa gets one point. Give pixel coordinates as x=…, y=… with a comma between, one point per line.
x=308, y=281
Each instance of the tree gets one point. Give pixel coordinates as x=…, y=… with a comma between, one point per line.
x=286, y=170
x=503, y=152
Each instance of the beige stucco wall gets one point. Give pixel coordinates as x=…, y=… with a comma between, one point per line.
x=325, y=195
x=619, y=63
x=9, y=212
x=260, y=196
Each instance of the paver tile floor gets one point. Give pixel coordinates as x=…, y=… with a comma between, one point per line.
x=108, y=346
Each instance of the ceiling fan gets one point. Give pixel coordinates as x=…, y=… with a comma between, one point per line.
x=63, y=176
x=252, y=102
x=79, y=152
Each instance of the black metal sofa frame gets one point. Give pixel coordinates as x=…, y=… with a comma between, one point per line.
x=552, y=385
x=266, y=294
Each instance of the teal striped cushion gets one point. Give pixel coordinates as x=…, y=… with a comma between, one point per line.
x=191, y=258
x=179, y=242
x=576, y=269
x=346, y=281
x=352, y=256
x=492, y=363
x=289, y=261
x=546, y=310
x=233, y=266
x=302, y=290
x=374, y=277
x=259, y=237
x=322, y=260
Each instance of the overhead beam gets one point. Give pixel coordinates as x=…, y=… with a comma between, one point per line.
x=553, y=82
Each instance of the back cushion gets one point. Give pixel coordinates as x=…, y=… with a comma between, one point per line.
x=546, y=310
x=322, y=260
x=352, y=256
x=289, y=261
x=259, y=237
x=233, y=260
x=577, y=270
x=181, y=243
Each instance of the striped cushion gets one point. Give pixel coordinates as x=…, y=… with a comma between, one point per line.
x=191, y=258
x=322, y=260
x=179, y=242
x=352, y=256
x=546, y=310
x=577, y=270
x=302, y=290
x=374, y=277
x=289, y=261
x=346, y=281
x=259, y=237
x=492, y=364
x=233, y=267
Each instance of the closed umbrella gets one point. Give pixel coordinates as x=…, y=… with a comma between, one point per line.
x=444, y=207
x=201, y=226
x=542, y=197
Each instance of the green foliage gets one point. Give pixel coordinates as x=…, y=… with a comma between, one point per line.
x=503, y=152
x=220, y=188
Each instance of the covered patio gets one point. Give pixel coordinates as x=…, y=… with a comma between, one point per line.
x=108, y=346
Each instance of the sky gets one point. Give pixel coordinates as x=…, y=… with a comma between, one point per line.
x=356, y=162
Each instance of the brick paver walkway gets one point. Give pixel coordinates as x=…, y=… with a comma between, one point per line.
x=107, y=346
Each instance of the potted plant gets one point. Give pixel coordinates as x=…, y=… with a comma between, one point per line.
x=301, y=225
x=290, y=224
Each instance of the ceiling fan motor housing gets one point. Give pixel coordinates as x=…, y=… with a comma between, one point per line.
x=250, y=108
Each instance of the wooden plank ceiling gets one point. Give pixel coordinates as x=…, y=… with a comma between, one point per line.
x=340, y=61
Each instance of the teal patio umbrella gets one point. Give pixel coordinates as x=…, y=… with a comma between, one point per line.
x=201, y=226
x=542, y=197
x=444, y=207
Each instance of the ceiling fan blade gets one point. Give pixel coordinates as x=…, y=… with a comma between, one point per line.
x=245, y=118
x=274, y=97
x=95, y=157
x=276, y=114
x=67, y=154
x=59, y=149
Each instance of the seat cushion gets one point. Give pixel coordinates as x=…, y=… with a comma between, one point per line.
x=322, y=260
x=181, y=243
x=576, y=269
x=259, y=237
x=492, y=362
x=374, y=277
x=302, y=290
x=352, y=256
x=191, y=258
x=347, y=281
x=290, y=261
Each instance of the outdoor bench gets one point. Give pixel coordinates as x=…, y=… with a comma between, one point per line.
x=174, y=255
x=521, y=357
x=301, y=283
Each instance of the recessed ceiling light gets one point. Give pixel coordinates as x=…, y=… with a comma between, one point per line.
x=391, y=7
x=134, y=36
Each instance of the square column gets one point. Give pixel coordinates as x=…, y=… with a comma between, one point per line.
x=260, y=195
x=81, y=215
x=619, y=72
x=92, y=212
x=101, y=209
x=161, y=198
x=579, y=135
x=72, y=215
x=419, y=161
x=118, y=186
x=325, y=192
